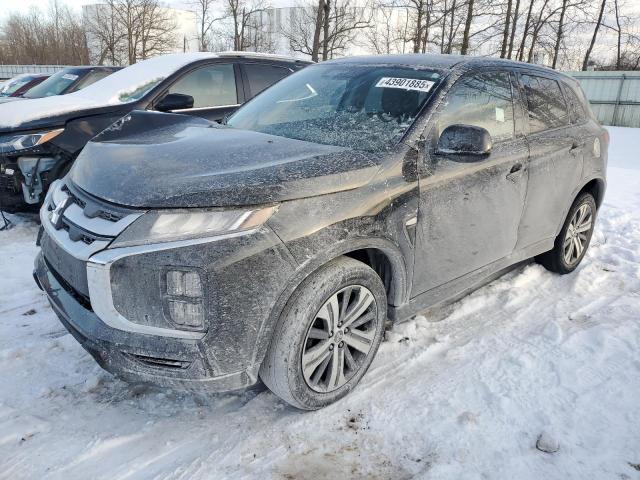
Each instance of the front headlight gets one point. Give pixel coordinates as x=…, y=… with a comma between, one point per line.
x=173, y=225
x=14, y=143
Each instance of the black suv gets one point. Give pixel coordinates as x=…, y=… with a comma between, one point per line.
x=40, y=138
x=188, y=253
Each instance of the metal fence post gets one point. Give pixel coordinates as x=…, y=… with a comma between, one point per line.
x=617, y=105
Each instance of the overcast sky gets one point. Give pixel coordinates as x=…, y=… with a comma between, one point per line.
x=24, y=5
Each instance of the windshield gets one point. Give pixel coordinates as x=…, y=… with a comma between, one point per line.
x=55, y=84
x=353, y=106
x=14, y=85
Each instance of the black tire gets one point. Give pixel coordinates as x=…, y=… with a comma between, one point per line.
x=282, y=369
x=554, y=260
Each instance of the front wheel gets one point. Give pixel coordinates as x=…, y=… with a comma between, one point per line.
x=573, y=240
x=327, y=335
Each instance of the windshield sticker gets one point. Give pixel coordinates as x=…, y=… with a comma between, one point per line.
x=69, y=76
x=499, y=115
x=405, y=84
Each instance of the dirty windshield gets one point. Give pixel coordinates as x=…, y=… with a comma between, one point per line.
x=353, y=106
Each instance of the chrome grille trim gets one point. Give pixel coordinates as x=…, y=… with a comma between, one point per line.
x=90, y=235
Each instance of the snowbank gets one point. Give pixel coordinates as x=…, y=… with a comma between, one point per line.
x=464, y=392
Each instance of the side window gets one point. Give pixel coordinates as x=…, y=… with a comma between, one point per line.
x=545, y=103
x=213, y=86
x=483, y=100
x=90, y=78
x=263, y=76
x=576, y=109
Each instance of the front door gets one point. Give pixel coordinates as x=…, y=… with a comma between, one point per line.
x=470, y=207
x=213, y=88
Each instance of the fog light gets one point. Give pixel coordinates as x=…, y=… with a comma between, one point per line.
x=187, y=314
x=184, y=284
x=184, y=299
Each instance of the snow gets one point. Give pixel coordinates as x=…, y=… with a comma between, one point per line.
x=465, y=391
x=111, y=90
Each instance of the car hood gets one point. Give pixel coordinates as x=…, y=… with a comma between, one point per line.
x=156, y=160
x=9, y=99
x=47, y=112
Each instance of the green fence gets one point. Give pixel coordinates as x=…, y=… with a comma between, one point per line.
x=614, y=96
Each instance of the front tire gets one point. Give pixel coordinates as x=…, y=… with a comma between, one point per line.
x=327, y=335
x=573, y=240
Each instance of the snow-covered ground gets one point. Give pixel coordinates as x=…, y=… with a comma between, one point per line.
x=463, y=392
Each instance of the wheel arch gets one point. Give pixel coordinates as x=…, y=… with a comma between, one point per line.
x=595, y=186
x=378, y=253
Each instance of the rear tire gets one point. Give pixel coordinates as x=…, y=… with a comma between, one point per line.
x=311, y=361
x=572, y=242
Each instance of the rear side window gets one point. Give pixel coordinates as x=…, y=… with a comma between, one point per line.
x=263, y=76
x=213, y=86
x=545, y=103
x=483, y=100
x=576, y=108
x=90, y=78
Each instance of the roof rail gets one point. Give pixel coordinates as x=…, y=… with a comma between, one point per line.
x=232, y=53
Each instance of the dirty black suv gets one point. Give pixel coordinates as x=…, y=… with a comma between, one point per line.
x=280, y=245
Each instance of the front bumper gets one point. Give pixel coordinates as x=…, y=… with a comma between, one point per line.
x=171, y=362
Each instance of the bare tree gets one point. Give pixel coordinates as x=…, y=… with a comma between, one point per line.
x=388, y=30
x=339, y=22
x=37, y=37
x=206, y=20
x=585, y=62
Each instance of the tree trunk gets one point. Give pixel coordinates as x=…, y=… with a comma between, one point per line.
x=505, y=33
x=619, y=45
x=514, y=24
x=418, y=32
x=585, y=63
x=315, y=48
x=444, y=28
x=427, y=21
x=467, y=29
x=450, y=39
x=556, y=49
x=325, y=39
x=527, y=23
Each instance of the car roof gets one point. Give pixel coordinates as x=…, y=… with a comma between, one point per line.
x=92, y=67
x=438, y=61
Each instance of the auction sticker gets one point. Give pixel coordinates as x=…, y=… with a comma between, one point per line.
x=405, y=83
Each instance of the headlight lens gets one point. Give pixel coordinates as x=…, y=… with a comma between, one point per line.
x=14, y=143
x=167, y=226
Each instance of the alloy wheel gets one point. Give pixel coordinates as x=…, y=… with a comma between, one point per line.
x=577, y=234
x=339, y=338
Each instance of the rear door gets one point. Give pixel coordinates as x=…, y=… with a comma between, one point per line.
x=216, y=90
x=470, y=208
x=259, y=76
x=555, y=163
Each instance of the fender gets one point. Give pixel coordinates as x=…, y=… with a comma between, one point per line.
x=308, y=267
x=602, y=184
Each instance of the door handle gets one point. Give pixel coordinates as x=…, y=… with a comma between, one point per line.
x=515, y=172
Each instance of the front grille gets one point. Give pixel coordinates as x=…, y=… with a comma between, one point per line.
x=67, y=267
x=93, y=208
x=77, y=234
x=82, y=299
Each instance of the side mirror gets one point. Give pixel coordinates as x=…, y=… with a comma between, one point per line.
x=175, y=101
x=464, y=140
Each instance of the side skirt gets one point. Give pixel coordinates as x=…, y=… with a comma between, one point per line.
x=454, y=290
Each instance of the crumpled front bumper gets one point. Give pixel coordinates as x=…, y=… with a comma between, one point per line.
x=171, y=362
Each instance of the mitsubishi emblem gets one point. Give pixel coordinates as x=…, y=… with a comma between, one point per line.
x=56, y=215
